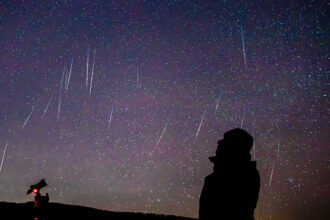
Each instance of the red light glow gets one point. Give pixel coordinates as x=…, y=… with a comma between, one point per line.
x=35, y=190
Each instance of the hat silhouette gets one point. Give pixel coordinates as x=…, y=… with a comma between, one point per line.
x=235, y=142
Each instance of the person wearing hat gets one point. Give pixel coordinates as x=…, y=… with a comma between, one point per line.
x=232, y=190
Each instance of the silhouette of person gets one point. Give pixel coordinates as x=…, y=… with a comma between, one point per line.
x=40, y=200
x=232, y=190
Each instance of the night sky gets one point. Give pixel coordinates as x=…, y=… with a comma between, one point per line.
x=165, y=80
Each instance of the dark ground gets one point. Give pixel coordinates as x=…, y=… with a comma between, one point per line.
x=21, y=211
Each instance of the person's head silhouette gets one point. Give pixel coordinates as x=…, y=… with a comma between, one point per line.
x=235, y=146
x=231, y=191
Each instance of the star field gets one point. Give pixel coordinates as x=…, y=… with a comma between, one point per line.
x=134, y=131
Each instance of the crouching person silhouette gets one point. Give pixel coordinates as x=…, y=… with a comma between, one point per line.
x=232, y=190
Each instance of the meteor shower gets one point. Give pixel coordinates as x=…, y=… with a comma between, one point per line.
x=118, y=106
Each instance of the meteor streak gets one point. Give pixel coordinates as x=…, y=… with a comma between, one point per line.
x=200, y=124
x=242, y=120
x=69, y=77
x=278, y=151
x=217, y=105
x=91, y=83
x=66, y=81
x=271, y=175
x=45, y=111
x=3, y=156
x=243, y=47
x=60, y=96
x=27, y=119
x=87, y=62
x=110, y=118
x=161, y=136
